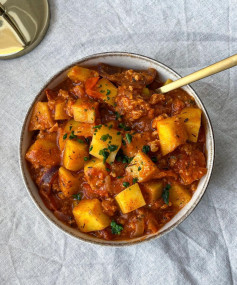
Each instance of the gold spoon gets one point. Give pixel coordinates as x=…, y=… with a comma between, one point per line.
x=205, y=72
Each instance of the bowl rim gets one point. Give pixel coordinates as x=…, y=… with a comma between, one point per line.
x=143, y=238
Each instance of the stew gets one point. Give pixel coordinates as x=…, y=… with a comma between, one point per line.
x=112, y=157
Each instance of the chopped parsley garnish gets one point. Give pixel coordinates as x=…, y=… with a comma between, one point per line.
x=117, y=115
x=123, y=142
x=134, y=180
x=110, y=127
x=139, y=168
x=77, y=196
x=112, y=147
x=97, y=127
x=107, y=169
x=116, y=228
x=104, y=152
x=118, y=133
x=70, y=128
x=72, y=136
x=86, y=158
x=126, y=184
x=65, y=136
x=154, y=159
x=119, y=177
x=166, y=193
x=91, y=147
x=108, y=92
x=129, y=138
x=146, y=148
x=80, y=141
x=105, y=137
x=122, y=126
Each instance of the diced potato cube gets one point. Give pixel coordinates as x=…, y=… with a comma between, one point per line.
x=41, y=118
x=108, y=91
x=43, y=152
x=105, y=143
x=85, y=111
x=79, y=129
x=74, y=154
x=69, y=183
x=130, y=199
x=192, y=120
x=78, y=73
x=172, y=133
x=154, y=190
x=141, y=167
x=60, y=113
x=90, y=217
x=179, y=196
x=168, y=81
x=95, y=171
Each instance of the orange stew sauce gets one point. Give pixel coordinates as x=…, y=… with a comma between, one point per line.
x=113, y=158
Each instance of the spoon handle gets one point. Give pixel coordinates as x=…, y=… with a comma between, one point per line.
x=205, y=72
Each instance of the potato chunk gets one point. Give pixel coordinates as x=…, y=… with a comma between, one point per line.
x=41, y=118
x=130, y=199
x=141, y=167
x=108, y=91
x=179, y=196
x=172, y=133
x=95, y=172
x=90, y=217
x=60, y=113
x=105, y=143
x=43, y=152
x=80, y=129
x=85, y=111
x=154, y=190
x=81, y=74
x=192, y=120
x=68, y=182
x=74, y=154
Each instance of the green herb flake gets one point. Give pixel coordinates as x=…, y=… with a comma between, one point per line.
x=72, y=136
x=105, y=137
x=65, y=136
x=85, y=110
x=97, y=127
x=139, y=168
x=107, y=169
x=86, y=158
x=80, y=141
x=154, y=159
x=166, y=193
x=129, y=138
x=125, y=184
x=122, y=126
x=108, y=92
x=104, y=152
x=117, y=115
x=146, y=148
x=118, y=133
x=134, y=180
x=70, y=128
x=77, y=196
x=112, y=147
x=123, y=142
x=91, y=147
x=116, y=228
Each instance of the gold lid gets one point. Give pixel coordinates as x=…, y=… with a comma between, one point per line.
x=23, y=24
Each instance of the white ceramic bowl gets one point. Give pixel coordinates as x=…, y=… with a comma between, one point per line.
x=127, y=60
